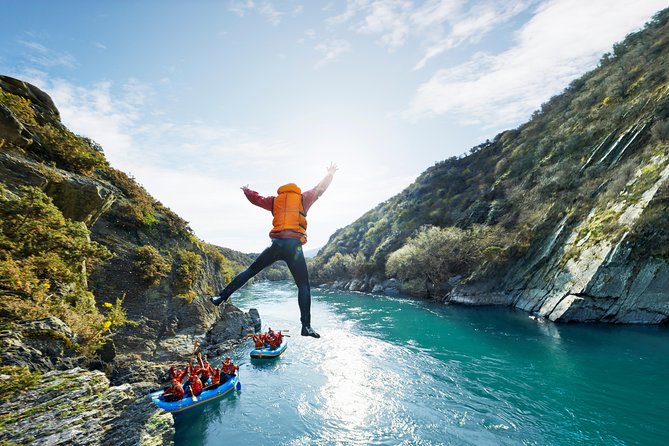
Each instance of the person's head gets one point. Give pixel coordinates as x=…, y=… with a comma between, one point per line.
x=227, y=359
x=174, y=381
x=290, y=187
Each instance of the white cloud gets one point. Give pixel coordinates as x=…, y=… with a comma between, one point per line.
x=297, y=10
x=46, y=57
x=265, y=9
x=387, y=18
x=437, y=25
x=240, y=7
x=436, y=12
x=469, y=26
x=330, y=50
x=564, y=39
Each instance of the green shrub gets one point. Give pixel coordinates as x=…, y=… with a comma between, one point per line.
x=19, y=379
x=58, y=144
x=20, y=107
x=151, y=265
x=660, y=131
x=71, y=151
x=42, y=258
x=139, y=210
x=340, y=265
x=189, y=265
x=221, y=263
x=434, y=254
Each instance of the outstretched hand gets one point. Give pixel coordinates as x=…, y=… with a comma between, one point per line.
x=245, y=188
x=332, y=168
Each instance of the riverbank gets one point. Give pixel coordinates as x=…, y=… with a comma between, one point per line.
x=566, y=307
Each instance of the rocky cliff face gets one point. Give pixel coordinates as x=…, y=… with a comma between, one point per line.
x=79, y=406
x=567, y=213
x=568, y=278
x=162, y=295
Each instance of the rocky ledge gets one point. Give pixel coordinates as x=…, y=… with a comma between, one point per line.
x=78, y=406
x=72, y=405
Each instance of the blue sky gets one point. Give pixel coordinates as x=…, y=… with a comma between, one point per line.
x=196, y=99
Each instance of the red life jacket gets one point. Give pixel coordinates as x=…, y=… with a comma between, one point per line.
x=258, y=342
x=228, y=368
x=288, y=210
x=216, y=376
x=178, y=390
x=182, y=375
x=196, y=385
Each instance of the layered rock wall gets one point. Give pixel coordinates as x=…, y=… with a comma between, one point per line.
x=576, y=275
x=80, y=407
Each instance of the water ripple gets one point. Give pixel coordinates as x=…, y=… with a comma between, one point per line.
x=392, y=371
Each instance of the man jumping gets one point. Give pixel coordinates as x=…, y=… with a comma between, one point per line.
x=288, y=234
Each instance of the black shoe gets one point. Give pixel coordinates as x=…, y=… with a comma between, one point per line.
x=218, y=300
x=308, y=331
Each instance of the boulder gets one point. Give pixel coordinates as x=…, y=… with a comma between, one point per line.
x=234, y=324
x=378, y=289
x=78, y=197
x=391, y=287
x=11, y=130
x=40, y=345
x=255, y=318
x=355, y=285
x=39, y=98
x=16, y=172
x=133, y=369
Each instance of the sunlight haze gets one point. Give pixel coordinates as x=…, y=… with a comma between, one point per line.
x=195, y=99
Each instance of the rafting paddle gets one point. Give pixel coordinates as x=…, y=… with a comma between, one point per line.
x=193, y=357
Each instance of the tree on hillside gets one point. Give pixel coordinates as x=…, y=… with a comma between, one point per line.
x=436, y=254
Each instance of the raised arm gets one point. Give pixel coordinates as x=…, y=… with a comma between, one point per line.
x=257, y=199
x=310, y=196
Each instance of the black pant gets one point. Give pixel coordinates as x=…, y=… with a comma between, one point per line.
x=290, y=251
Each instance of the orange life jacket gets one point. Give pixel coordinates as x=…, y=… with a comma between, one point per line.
x=196, y=385
x=288, y=211
x=205, y=373
x=258, y=341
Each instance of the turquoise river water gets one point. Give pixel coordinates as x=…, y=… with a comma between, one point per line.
x=394, y=371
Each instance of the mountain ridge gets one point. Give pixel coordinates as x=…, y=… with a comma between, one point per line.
x=560, y=216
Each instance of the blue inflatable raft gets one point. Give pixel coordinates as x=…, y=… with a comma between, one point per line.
x=268, y=353
x=188, y=402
